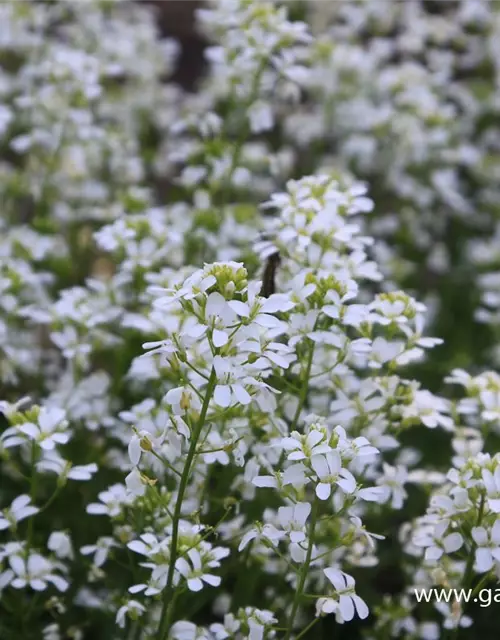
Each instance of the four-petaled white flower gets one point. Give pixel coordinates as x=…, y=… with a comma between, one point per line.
x=194, y=573
x=18, y=510
x=132, y=608
x=329, y=472
x=100, y=550
x=492, y=484
x=435, y=541
x=488, y=546
x=305, y=446
x=349, y=603
x=50, y=430
x=35, y=572
x=293, y=520
x=230, y=388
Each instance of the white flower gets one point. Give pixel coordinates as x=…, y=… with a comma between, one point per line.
x=216, y=449
x=185, y=630
x=219, y=319
x=430, y=409
x=231, y=380
x=132, y=608
x=454, y=617
x=228, y=629
x=19, y=509
x=360, y=529
x=268, y=531
x=450, y=505
x=100, y=550
x=348, y=602
x=436, y=542
x=52, y=632
x=488, y=547
x=143, y=440
x=293, y=520
x=383, y=351
x=350, y=290
x=35, y=572
x=329, y=471
x=325, y=606
x=162, y=347
x=50, y=430
x=302, y=326
x=392, y=484
x=112, y=501
x=492, y=484
x=304, y=446
x=53, y=462
x=353, y=449
x=60, y=543
x=258, y=620
x=193, y=572
x=179, y=398
x=259, y=310
x=261, y=117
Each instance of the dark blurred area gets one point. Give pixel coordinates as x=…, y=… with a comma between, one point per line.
x=176, y=19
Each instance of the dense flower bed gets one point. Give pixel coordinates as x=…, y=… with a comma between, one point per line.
x=222, y=413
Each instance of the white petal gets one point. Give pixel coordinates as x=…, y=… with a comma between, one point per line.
x=17, y=564
x=240, y=308
x=195, y=584
x=336, y=577
x=265, y=481
x=320, y=466
x=134, y=450
x=212, y=580
x=97, y=509
x=38, y=585
x=484, y=560
x=137, y=588
x=361, y=607
x=277, y=302
x=453, y=542
x=433, y=553
x=58, y=582
x=249, y=535
x=215, y=304
x=30, y=430
x=220, y=338
x=346, y=607
x=494, y=504
x=20, y=502
x=480, y=536
x=302, y=511
x=222, y=395
x=495, y=533
x=348, y=485
x=26, y=512
x=297, y=536
x=323, y=491
x=241, y=394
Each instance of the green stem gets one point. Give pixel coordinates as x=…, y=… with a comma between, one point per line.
x=306, y=629
x=305, y=386
x=166, y=463
x=33, y=483
x=305, y=569
x=470, y=561
x=169, y=598
x=135, y=631
x=481, y=583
